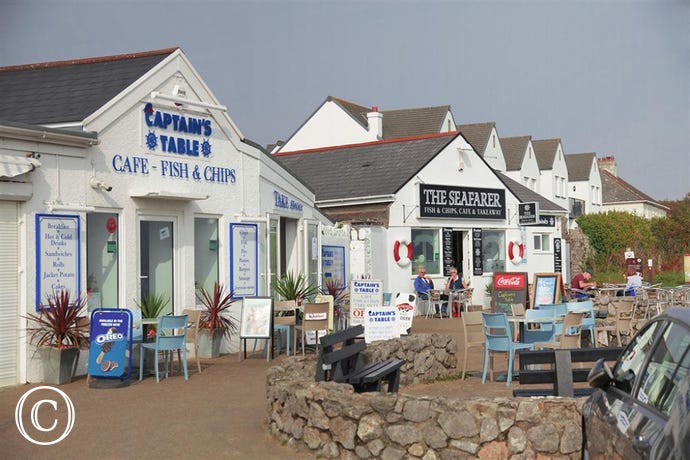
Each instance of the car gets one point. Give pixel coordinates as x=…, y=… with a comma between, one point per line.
x=640, y=409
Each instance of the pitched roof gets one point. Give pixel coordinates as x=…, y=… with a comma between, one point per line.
x=524, y=194
x=616, y=190
x=400, y=122
x=545, y=151
x=579, y=165
x=514, y=149
x=68, y=91
x=477, y=134
x=363, y=170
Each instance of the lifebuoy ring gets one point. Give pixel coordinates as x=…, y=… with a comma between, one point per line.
x=404, y=260
x=516, y=259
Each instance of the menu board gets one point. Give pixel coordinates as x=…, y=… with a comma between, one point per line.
x=333, y=263
x=509, y=288
x=110, y=332
x=477, y=251
x=546, y=288
x=557, y=255
x=243, y=259
x=381, y=323
x=364, y=294
x=57, y=256
x=448, y=251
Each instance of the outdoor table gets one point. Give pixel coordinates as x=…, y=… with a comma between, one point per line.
x=521, y=320
x=455, y=295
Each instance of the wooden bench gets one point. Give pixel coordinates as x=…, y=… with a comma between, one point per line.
x=341, y=360
x=560, y=373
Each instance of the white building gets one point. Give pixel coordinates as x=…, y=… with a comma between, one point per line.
x=619, y=195
x=584, y=183
x=141, y=165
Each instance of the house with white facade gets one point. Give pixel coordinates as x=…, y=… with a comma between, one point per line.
x=339, y=122
x=553, y=171
x=426, y=201
x=521, y=162
x=584, y=183
x=122, y=176
x=483, y=137
x=619, y=195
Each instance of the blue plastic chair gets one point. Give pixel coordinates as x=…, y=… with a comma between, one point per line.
x=387, y=298
x=137, y=328
x=168, y=339
x=546, y=331
x=589, y=319
x=498, y=338
x=558, y=310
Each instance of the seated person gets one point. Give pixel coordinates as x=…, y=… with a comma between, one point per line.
x=422, y=284
x=581, y=282
x=454, y=282
x=633, y=280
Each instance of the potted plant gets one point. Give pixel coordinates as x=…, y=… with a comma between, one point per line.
x=215, y=321
x=59, y=330
x=151, y=306
x=291, y=287
x=340, y=295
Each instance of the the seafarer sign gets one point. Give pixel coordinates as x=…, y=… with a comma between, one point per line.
x=461, y=202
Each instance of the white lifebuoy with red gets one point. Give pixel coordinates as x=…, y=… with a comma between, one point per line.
x=516, y=252
x=404, y=259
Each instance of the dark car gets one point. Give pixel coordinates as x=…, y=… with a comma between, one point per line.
x=641, y=407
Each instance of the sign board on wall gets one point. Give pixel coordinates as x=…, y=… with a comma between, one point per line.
x=547, y=288
x=333, y=264
x=405, y=303
x=509, y=288
x=364, y=294
x=244, y=256
x=448, y=251
x=57, y=256
x=477, y=251
x=557, y=255
x=528, y=213
x=461, y=202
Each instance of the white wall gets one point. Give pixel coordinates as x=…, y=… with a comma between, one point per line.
x=330, y=125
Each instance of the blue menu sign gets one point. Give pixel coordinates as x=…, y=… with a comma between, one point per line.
x=111, y=330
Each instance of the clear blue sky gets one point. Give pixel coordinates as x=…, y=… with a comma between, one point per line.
x=611, y=77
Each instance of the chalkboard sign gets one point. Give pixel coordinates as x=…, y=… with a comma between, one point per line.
x=546, y=288
x=448, y=251
x=509, y=288
x=477, y=251
x=557, y=261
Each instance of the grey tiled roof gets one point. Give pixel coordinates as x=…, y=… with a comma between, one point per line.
x=363, y=170
x=579, y=165
x=69, y=91
x=477, y=134
x=616, y=190
x=401, y=122
x=514, y=151
x=545, y=151
x=525, y=195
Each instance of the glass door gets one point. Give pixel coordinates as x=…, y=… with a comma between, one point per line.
x=156, y=268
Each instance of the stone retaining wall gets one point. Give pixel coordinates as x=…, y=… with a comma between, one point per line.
x=335, y=422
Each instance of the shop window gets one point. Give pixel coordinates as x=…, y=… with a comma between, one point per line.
x=101, y=260
x=427, y=251
x=205, y=253
x=493, y=251
x=542, y=243
x=313, y=252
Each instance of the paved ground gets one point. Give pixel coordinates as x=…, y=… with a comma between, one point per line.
x=218, y=413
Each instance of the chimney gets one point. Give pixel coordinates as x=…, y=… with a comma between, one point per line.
x=375, y=120
x=608, y=164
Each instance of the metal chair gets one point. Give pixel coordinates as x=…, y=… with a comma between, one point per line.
x=473, y=330
x=168, y=338
x=193, y=316
x=624, y=318
x=498, y=338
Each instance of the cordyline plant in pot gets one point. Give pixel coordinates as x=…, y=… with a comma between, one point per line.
x=59, y=330
x=151, y=306
x=215, y=321
x=295, y=287
x=341, y=296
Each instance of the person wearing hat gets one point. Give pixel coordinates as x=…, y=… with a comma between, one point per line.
x=582, y=283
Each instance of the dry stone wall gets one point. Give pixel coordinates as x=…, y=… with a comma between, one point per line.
x=333, y=421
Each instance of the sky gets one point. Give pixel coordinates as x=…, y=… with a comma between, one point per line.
x=610, y=77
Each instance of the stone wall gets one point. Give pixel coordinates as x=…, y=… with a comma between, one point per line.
x=333, y=421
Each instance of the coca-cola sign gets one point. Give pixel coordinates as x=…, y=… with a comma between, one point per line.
x=515, y=281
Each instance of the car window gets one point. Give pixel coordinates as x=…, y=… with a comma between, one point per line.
x=628, y=366
x=668, y=365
